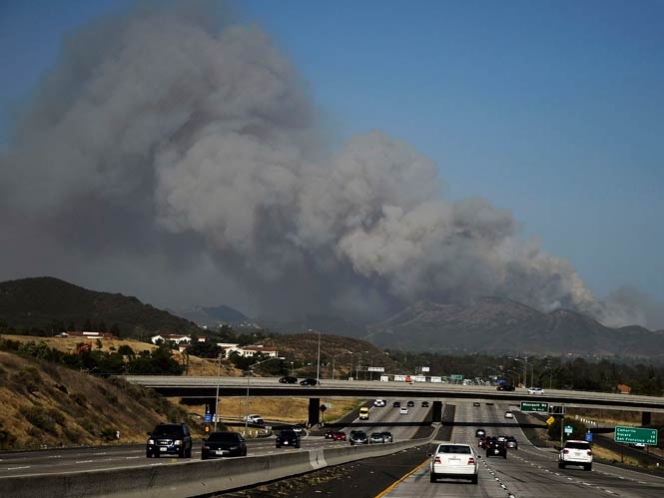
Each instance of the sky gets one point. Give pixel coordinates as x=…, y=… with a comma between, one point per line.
x=355, y=156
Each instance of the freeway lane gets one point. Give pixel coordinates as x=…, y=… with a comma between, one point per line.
x=68, y=460
x=529, y=472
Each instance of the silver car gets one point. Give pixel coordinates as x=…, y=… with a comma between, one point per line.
x=377, y=437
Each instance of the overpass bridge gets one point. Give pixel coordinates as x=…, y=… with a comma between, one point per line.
x=214, y=387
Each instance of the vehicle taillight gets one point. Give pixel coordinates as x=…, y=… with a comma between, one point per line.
x=590, y=453
x=437, y=460
x=565, y=452
x=471, y=461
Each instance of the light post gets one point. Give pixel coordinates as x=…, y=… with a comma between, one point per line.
x=216, y=398
x=524, y=360
x=248, y=373
x=318, y=363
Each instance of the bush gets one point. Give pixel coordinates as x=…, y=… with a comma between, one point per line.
x=40, y=418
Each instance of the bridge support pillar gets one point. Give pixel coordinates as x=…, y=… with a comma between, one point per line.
x=314, y=412
x=646, y=418
x=437, y=411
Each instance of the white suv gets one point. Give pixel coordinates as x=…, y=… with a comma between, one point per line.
x=576, y=453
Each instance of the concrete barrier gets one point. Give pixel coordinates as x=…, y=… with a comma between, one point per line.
x=193, y=478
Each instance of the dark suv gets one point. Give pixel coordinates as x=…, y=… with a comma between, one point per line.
x=169, y=439
x=288, y=437
x=495, y=447
x=223, y=444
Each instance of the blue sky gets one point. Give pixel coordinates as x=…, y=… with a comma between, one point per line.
x=553, y=110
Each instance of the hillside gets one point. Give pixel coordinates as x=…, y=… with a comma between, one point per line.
x=44, y=404
x=46, y=303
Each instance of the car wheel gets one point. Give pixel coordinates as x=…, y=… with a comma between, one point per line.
x=148, y=454
x=589, y=467
x=561, y=465
x=474, y=479
x=204, y=457
x=189, y=453
x=432, y=478
x=278, y=446
x=505, y=455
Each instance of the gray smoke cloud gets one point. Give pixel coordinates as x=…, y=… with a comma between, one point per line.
x=183, y=161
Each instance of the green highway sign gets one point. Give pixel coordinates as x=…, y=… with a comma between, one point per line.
x=456, y=377
x=534, y=406
x=635, y=435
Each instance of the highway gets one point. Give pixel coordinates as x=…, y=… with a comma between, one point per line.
x=527, y=472
x=66, y=460
x=183, y=386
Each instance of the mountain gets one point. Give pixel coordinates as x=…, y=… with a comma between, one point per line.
x=44, y=301
x=499, y=326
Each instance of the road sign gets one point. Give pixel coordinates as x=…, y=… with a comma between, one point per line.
x=635, y=435
x=208, y=417
x=569, y=429
x=456, y=377
x=589, y=436
x=534, y=406
x=550, y=420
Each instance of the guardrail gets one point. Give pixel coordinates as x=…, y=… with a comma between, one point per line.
x=191, y=479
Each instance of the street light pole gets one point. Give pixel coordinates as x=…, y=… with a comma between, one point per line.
x=318, y=363
x=216, y=398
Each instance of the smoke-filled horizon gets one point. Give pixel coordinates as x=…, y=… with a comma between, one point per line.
x=171, y=158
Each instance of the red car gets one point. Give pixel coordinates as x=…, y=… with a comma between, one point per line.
x=339, y=436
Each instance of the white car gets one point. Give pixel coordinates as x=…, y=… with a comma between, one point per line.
x=254, y=418
x=535, y=390
x=509, y=415
x=453, y=461
x=576, y=452
x=379, y=402
x=403, y=410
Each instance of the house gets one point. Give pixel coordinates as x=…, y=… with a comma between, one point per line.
x=168, y=338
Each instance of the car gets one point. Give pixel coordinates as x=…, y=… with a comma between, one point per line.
x=509, y=414
x=637, y=445
x=288, y=379
x=376, y=437
x=506, y=387
x=494, y=447
x=169, y=439
x=329, y=434
x=364, y=413
x=480, y=433
x=476, y=403
x=358, y=437
x=387, y=436
x=535, y=390
x=410, y=404
x=484, y=442
x=288, y=437
x=403, y=410
x=379, y=402
x=309, y=381
x=453, y=461
x=396, y=404
x=425, y=404
x=253, y=418
x=575, y=452
x=339, y=436
x=512, y=443
x=223, y=444
x=297, y=428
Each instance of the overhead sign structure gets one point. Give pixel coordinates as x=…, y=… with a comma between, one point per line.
x=534, y=406
x=641, y=435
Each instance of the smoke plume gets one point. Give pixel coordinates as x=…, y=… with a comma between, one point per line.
x=183, y=160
